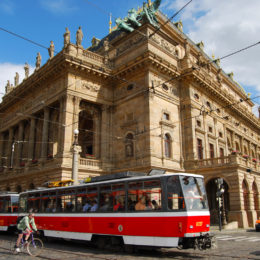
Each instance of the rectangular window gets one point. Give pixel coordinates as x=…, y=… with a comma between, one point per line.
x=144, y=195
x=210, y=129
x=198, y=123
x=34, y=200
x=66, y=201
x=211, y=151
x=166, y=116
x=200, y=149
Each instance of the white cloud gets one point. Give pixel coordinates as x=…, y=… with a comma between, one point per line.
x=59, y=6
x=8, y=71
x=224, y=27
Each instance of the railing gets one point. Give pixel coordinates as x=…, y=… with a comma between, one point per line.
x=223, y=161
x=90, y=163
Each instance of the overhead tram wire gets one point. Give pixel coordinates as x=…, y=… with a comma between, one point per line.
x=158, y=29
x=24, y=38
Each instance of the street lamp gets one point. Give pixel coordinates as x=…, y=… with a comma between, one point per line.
x=219, y=194
x=75, y=151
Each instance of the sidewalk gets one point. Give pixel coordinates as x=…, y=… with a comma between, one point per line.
x=215, y=229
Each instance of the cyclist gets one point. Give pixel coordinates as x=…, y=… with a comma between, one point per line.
x=24, y=226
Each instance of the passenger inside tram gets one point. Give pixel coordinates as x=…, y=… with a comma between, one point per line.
x=140, y=205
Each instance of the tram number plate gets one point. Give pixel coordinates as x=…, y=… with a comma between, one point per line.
x=199, y=224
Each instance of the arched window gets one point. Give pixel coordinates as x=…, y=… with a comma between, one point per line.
x=167, y=145
x=129, y=145
x=237, y=146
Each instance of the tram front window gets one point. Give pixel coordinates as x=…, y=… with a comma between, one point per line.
x=194, y=193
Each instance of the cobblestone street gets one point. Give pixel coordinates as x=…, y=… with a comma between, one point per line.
x=231, y=245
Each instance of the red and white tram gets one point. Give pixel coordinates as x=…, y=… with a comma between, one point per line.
x=8, y=210
x=161, y=210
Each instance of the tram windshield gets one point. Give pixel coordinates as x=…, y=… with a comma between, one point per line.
x=194, y=193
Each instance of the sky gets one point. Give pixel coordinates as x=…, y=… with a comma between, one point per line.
x=223, y=26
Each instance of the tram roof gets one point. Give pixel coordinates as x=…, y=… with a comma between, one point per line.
x=127, y=176
x=6, y=193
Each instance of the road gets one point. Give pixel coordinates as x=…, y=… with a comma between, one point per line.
x=231, y=245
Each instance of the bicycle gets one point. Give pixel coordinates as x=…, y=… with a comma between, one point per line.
x=33, y=247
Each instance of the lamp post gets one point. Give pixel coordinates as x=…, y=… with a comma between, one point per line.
x=220, y=192
x=75, y=151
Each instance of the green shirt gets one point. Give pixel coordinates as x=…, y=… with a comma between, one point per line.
x=25, y=223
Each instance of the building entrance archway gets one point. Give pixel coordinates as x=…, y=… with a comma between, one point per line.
x=211, y=188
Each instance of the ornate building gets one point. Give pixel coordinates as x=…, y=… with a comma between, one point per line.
x=141, y=99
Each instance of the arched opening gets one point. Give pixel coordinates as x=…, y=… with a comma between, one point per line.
x=86, y=134
x=255, y=196
x=211, y=188
x=167, y=145
x=245, y=195
x=129, y=145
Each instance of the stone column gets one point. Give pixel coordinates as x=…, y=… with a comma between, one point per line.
x=252, y=216
x=242, y=145
x=31, y=140
x=61, y=126
x=19, y=144
x=97, y=134
x=206, y=140
x=9, y=149
x=1, y=148
x=45, y=133
x=104, y=133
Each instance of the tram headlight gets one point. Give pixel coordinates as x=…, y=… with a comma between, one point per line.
x=191, y=226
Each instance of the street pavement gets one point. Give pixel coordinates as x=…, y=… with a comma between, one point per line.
x=232, y=244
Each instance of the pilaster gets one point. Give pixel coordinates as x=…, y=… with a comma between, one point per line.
x=31, y=139
x=45, y=133
x=10, y=142
x=19, y=144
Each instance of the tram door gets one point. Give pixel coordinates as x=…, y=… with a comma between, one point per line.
x=211, y=189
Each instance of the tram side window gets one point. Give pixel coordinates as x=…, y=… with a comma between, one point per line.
x=7, y=205
x=106, y=198
x=14, y=201
x=93, y=199
x=144, y=195
x=174, y=194
x=34, y=202
x=118, y=191
x=81, y=199
x=1, y=204
x=23, y=204
x=66, y=200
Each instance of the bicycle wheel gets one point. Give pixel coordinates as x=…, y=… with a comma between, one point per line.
x=35, y=247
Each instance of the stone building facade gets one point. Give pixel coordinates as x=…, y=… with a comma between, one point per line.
x=140, y=101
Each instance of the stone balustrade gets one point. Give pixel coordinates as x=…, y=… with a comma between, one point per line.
x=235, y=159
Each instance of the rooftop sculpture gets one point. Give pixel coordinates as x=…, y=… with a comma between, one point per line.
x=135, y=19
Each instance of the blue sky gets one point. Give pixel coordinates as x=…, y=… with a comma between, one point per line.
x=223, y=26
